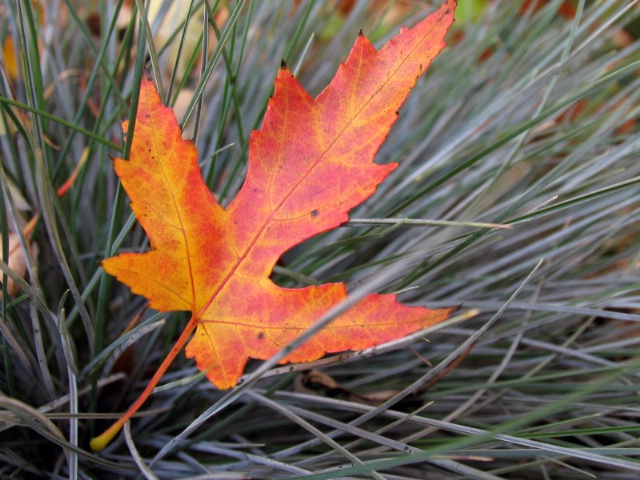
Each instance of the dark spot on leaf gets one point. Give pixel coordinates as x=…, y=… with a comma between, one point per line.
x=93, y=22
x=260, y=335
x=314, y=213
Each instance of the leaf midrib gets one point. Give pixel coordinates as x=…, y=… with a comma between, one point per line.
x=320, y=157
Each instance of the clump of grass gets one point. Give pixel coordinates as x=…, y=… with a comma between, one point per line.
x=527, y=119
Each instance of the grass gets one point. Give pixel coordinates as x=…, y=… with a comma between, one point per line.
x=527, y=119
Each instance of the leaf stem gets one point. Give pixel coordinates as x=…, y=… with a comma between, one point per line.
x=101, y=441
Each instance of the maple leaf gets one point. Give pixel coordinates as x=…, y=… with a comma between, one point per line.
x=309, y=164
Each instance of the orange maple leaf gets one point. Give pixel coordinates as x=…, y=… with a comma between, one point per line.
x=311, y=162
